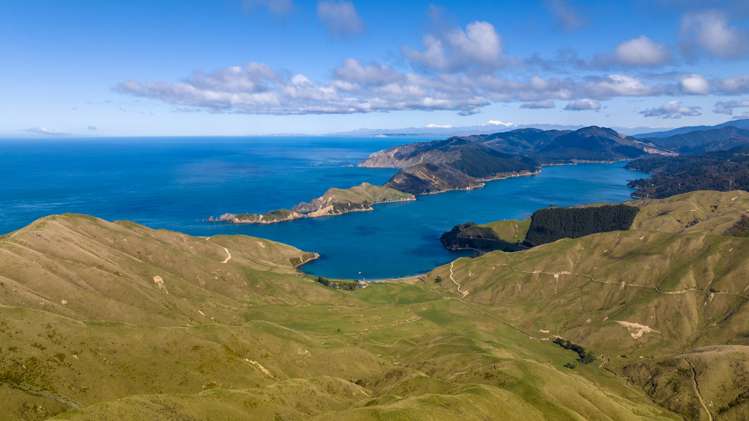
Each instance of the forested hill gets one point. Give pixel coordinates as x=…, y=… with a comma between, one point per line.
x=722, y=171
x=702, y=141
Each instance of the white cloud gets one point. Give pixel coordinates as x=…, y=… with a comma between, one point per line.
x=43, y=131
x=356, y=87
x=479, y=42
x=734, y=85
x=672, y=110
x=694, y=84
x=710, y=32
x=438, y=126
x=728, y=107
x=257, y=89
x=500, y=123
x=641, y=51
x=583, y=105
x=619, y=85
x=277, y=7
x=478, y=46
x=567, y=17
x=340, y=17
x=539, y=105
x=373, y=74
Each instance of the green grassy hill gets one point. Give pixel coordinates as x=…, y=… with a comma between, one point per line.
x=115, y=321
x=672, y=284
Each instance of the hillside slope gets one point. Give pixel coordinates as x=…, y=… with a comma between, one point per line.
x=115, y=321
x=675, y=282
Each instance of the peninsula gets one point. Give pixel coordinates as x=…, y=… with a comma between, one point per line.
x=461, y=163
x=335, y=201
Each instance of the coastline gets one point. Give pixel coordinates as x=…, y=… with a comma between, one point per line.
x=235, y=220
x=481, y=184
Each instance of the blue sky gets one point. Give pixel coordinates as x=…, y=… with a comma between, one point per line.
x=234, y=67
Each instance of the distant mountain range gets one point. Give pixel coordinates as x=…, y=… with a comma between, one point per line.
x=441, y=132
x=741, y=124
x=702, y=141
x=465, y=162
x=546, y=146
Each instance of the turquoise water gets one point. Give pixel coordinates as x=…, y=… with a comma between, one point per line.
x=178, y=183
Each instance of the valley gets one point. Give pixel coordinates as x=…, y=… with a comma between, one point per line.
x=250, y=335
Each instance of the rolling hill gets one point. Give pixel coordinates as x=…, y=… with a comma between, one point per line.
x=105, y=321
x=663, y=303
x=111, y=320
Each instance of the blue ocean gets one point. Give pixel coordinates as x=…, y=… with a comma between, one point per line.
x=178, y=183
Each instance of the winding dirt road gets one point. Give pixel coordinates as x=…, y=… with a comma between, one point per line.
x=454, y=281
x=228, y=255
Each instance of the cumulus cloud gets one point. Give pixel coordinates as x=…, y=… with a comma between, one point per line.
x=340, y=17
x=500, y=123
x=357, y=87
x=736, y=85
x=257, y=89
x=372, y=74
x=728, y=107
x=538, y=105
x=478, y=46
x=695, y=85
x=583, y=105
x=710, y=33
x=633, y=53
x=672, y=110
x=567, y=16
x=641, y=51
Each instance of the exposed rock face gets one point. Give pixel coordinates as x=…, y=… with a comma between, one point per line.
x=335, y=201
x=272, y=217
x=432, y=178
x=454, y=164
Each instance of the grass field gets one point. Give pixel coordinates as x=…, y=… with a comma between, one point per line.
x=113, y=321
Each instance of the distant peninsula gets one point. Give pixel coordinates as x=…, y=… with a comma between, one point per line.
x=335, y=201
x=462, y=163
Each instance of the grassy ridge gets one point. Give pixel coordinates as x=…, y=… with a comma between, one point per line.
x=671, y=284
x=89, y=334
